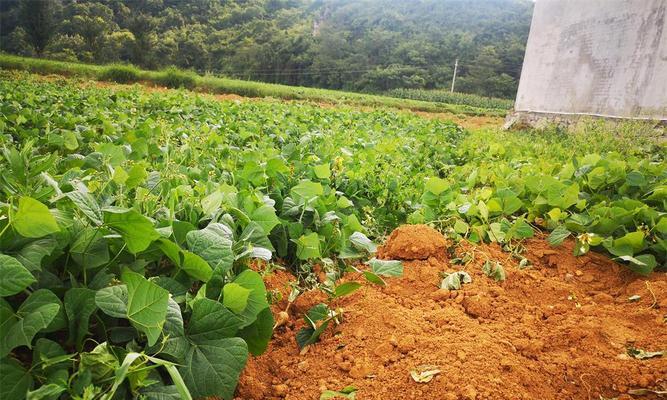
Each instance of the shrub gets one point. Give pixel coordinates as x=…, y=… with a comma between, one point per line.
x=120, y=73
x=173, y=77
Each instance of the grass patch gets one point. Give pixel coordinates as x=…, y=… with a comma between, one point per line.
x=173, y=77
x=120, y=73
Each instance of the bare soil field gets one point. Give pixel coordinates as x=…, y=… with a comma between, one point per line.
x=559, y=329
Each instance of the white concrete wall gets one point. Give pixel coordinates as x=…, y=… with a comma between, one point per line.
x=599, y=57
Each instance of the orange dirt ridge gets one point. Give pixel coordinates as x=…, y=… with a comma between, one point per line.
x=559, y=329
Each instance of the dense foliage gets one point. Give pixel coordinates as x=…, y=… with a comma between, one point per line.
x=447, y=97
x=128, y=220
x=174, y=78
x=370, y=45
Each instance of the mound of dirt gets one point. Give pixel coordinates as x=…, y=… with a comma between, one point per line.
x=414, y=242
x=559, y=329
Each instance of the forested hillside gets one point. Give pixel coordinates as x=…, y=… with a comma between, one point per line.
x=367, y=45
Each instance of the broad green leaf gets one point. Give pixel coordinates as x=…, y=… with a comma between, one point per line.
x=322, y=171
x=511, y=204
x=436, y=185
x=636, y=178
x=70, y=140
x=146, y=305
x=258, y=334
x=90, y=249
x=642, y=264
x=235, y=297
x=307, y=190
x=119, y=176
x=311, y=334
x=79, y=306
x=361, y=242
x=308, y=247
x=522, y=230
x=137, y=230
x=15, y=381
x=180, y=230
x=257, y=302
x=343, y=202
x=266, y=217
x=374, y=278
x=346, y=288
x=7, y=320
x=348, y=392
x=112, y=300
x=596, y=178
x=26, y=326
x=112, y=153
x=212, y=202
x=170, y=249
x=633, y=239
x=33, y=219
x=136, y=176
x=212, y=367
x=159, y=392
x=483, y=210
x=87, y=204
x=352, y=224
x=48, y=391
x=455, y=280
x=189, y=262
x=213, y=244
x=494, y=270
x=461, y=227
x=211, y=320
x=14, y=277
x=558, y=235
x=316, y=313
x=386, y=267
x=52, y=361
x=176, y=345
x=661, y=226
x=555, y=214
x=32, y=254
x=196, y=266
x=42, y=297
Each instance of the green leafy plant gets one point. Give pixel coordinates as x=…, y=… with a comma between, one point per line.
x=348, y=392
x=454, y=280
x=120, y=73
x=173, y=77
x=494, y=270
x=317, y=320
x=129, y=220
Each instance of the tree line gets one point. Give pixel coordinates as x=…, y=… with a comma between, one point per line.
x=358, y=45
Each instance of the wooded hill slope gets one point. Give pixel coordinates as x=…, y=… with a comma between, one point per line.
x=360, y=45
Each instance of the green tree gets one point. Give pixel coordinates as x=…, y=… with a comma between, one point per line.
x=38, y=19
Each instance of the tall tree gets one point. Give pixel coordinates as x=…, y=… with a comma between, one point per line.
x=38, y=18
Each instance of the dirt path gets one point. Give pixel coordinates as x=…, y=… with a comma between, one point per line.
x=557, y=330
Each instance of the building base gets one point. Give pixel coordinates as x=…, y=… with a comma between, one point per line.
x=542, y=120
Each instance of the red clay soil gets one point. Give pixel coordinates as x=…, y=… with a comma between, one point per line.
x=414, y=242
x=557, y=330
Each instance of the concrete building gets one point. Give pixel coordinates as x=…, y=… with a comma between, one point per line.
x=605, y=58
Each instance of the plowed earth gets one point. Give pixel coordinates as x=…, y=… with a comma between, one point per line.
x=559, y=329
